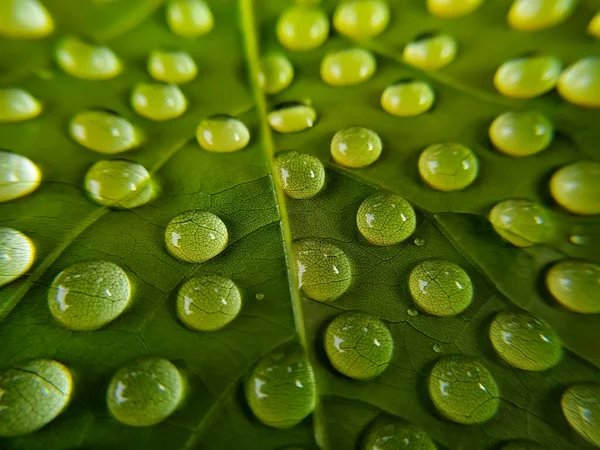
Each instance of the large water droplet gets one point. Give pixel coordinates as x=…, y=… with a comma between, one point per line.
x=409, y=98
x=276, y=73
x=448, y=9
x=389, y=433
x=581, y=406
x=299, y=175
x=522, y=222
x=16, y=254
x=361, y=19
x=302, y=28
x=222, y=134
x=575, y=187
x=431, y=52
x=157, y=101
x=19, y=176
x=356, y=147
x=87, y=61
x=17, y=105
x=348, y=67
x=25, y=19
x=189, y=18
x=172, y=67
x=533, y=15
x=448, y=166
x=521, y=133
x=104, y=132
x=576, y=285
x=580, y=82
x=386, y=219
x=291, y=118
x=528, y=77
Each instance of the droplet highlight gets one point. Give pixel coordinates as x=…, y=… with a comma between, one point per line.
x=535, y=15
x=528, y=77
x=521, y=133
x=575, y=187
x=576, y=285
x=301, y=28
x=300, y=175
x=581, y=406
x=17, y=254
x=580, y=83
x=25, y=19
x=276, y=73
x=19, y=176
x=87, y=61
x=448, y=166
x=356, y=147
x=189, y=18
x=389, y=433
x=361, y=19
x=104, y=132
x=174, y=67
x=386, y=219
x=292, y=118
x=522, y=222
x=407, y=99
x=222, y=134
x=157, y=101
x=17, y=105
x=348, y=67
x=431, y=52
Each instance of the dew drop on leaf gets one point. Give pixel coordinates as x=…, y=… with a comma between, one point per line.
x=576, y=285
x=145, y=392
x=594, y=26
x=386, y=219
x=522, y=222
x=189, y=18
x=389, y=433
x=361, y=19
x=348, y=67
x=174, y=67
x=292, y=118
x=87, y=61
x=17, y=253
x=577, y=239
x=409, y=98
x=412, y=312
x=104, y=132
x=528, y=77
x=17, y=105
x=419, y=242
x=521, y=133
x=449, y=9
x=157, y=101
x=438, y=348
x=580, y=83
x=302, y=28
x=300, y=175
x=432, y=51
x=356, y=147
x=575, y=187
x=25, y=19
x=19, y=176
x=222, y=134
x=276, y=73
x=581, y=406
x=534, y=15
x=448, y=166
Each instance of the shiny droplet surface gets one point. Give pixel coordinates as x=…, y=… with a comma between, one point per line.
x=17, y=105
x=157, y=101
x=292, y=118
x=119, y=184
x=449, y=9
x=189, y=18
x=208, y=303
x=594, y=26
x=581, y=406
x=580, y=83
x=528, y=77
x=33, y=394
x=302, y=28
x=575, y=187
x=281, y=388
x=389, y=433
x=576, y=285
x=522, y=222
x=104, y=132
x=356, y=147
x=448, y=166
x=87, y=61
x=361, y=19
x=17, y=254
x=534, y=15
x=323, y=270
x=348, y=67
x=407, y=99
x=276, y=73
x=25, y=19
x=521, y=133
x=440, y=288
x=89, y=294
x=524, y=341
x=145, y=392
x=300, y=175
x=463, y=390
x=222, y=134
x=431, y=52
x=174, y=67
x=19, y=176
x=196, y=236
x=386, y=219
x=358, y=345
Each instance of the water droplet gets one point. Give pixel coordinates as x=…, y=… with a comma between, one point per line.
x=189, y=18
x=533, y=15
x=32, y=395
x=222, y=134
x=412, y=312
x=463, y=390
x=431, y=52
x=259, y=296
x=88, y=295
x=449, y=9
x=386, y=219
x=440, y=288
x=579, y=240
x=361, y=19
x=594, y=26
x=276, y=73
x=299, y=175
x=281, y=388
x=419, y=242
x=581, y=406
x=17, y=105
x=119, y=184
x=25, y=19
x=522, y=222
x=524, y=341
x=575, y=187
x=19, y=176
x=358, y=345
x=409, y=98
x=522, y=445
x=356, y=147
x=157, y=101
x=104, y=132
x=87, y=61
x=291, y=118
x=576, y=285
x=172, y=67
x=521, y=133
x=324, y=271
x=348, y=67
x=528, y=77
x=196, y=236
x=145, y=392
x=438, y=348
x=301, y=28
x=16, y=254
x=580, y=83
x=388, y=433
x=448, y=166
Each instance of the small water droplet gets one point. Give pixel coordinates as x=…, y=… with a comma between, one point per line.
x=348, y=67
x=300, y=175
x=594, y=26
x=222, y=134
x=410, y=98
x=292, y=118
x=419, y=242
x=87, y=61
x=189, y=18
x=302, y=28
x=19, y=176
x=391, y=433
x=260, y=296
x=576, y=285
x=25, y=19
x=17, y=105
x=386, y=219
x=581, y=406
x=17, y=254
x=104, y=132
x=448, y=166
x=449, y=9
x=528, y=77
x=361, y=19
x=575, y=187
x=521, y=133
x=438, y=348
x=577, y=239
x=580, y=83
x=522, y=222
x=412, y=312
x=432, y=51
x=525, y=15
x=276, y=73
x=157, y=101
x=356, y=147
x=172, y=67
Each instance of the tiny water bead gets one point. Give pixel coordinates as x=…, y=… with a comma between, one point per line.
x=581, y=406
x=580, y=83
x=534, y=15
x=157, y=101
x=449, y=9
x=522, y=222
x=25, y=19
x=361, y=19
x=19, y=176
x=431, y=52
x=575, y=187
x=276, y=73
x=521, y=133
x=17, y=253
x=300, y=175
x=463, y=390
x=348, y=67
x=358, y=345
x=440, y=288
x=448, y=166
x=356, y=147
x=172, y=67
x=222, y=134
x=196, y=236
x=407, y=99
x=576, y=285
x=189, y=18
x=104, y=132
x=17, y=105
x=594, y=26
x=388, y=433
x=302, y=28
x=32, y=395
x=87, y=61
x=524, y=341
x=88, y=295
x=119, y=184
x=292, y=118
x=281, y=388
x=324, y=271
x=528, y=77
x=145, y=392
x=386, y=219
x=438, y=348
x=208, y=303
